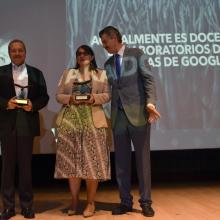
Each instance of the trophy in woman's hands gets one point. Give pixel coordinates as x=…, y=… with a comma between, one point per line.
x=81, y=90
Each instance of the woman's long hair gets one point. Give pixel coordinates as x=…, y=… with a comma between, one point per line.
x=88, y=50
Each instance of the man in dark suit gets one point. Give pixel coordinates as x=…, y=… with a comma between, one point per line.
x=132, y=112
x=23, y=93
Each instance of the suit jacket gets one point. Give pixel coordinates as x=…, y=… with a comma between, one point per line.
x=135, y=87
x=100, y=92
x=37, y=93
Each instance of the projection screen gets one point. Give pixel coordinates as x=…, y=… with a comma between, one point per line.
x=180, y=38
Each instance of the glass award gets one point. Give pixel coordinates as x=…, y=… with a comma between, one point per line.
x=21, y=97
x=82, y=90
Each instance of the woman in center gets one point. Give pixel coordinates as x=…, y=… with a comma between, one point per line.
x=82, y=151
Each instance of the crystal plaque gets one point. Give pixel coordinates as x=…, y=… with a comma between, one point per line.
x=21, y=97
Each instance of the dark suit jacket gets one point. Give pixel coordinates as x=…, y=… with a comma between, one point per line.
x=37, y=93
x=135, y=87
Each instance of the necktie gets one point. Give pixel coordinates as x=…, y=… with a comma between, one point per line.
x=117, y=65
x=118, y=73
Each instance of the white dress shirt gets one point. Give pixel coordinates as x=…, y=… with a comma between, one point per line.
x=20, y=77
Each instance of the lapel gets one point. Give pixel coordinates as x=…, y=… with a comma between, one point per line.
x=124, y=62
x=123, y=65
x=112, y=63
x=110, y=69
x=10, y=74
x=30, y=73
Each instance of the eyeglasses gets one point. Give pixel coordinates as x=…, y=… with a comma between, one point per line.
x=82, y=53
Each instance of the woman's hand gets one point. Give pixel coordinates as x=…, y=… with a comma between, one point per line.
x=90, y=101
x=73, y=101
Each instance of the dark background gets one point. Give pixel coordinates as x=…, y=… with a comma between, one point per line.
x=167, y=166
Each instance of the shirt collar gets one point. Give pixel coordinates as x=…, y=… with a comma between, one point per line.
x=18, y=68
x=121, y=51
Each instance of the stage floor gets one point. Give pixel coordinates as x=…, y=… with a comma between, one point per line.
x=171, y=201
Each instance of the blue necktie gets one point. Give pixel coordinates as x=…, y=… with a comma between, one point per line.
x=118, y=73
x=117, y=65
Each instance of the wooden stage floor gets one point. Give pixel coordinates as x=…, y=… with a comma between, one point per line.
x=171, y=201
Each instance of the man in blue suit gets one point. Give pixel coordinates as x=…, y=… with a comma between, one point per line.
x=23, y=93
x=132, y=112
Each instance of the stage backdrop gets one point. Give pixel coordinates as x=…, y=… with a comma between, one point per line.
x=180, y=38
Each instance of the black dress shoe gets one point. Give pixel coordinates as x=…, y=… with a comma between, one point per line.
x=7, y=214
x=28, y=213
x=147, y=210
x=121, y=209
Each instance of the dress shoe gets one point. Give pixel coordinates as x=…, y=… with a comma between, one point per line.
x=147, y=210
x=89, y=210
x=121, y=209
x=71, y=212
x=7, y=214
x=28, y=213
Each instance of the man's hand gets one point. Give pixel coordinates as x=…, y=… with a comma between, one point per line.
x=27, y=107
x=153, y=113
x=12, y=103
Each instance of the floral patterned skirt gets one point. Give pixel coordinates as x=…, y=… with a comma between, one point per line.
x=82, y=151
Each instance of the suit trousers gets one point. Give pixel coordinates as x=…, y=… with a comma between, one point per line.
x=124, y=132
x=17, y=152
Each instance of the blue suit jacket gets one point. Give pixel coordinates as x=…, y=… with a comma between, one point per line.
x=136, y=87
